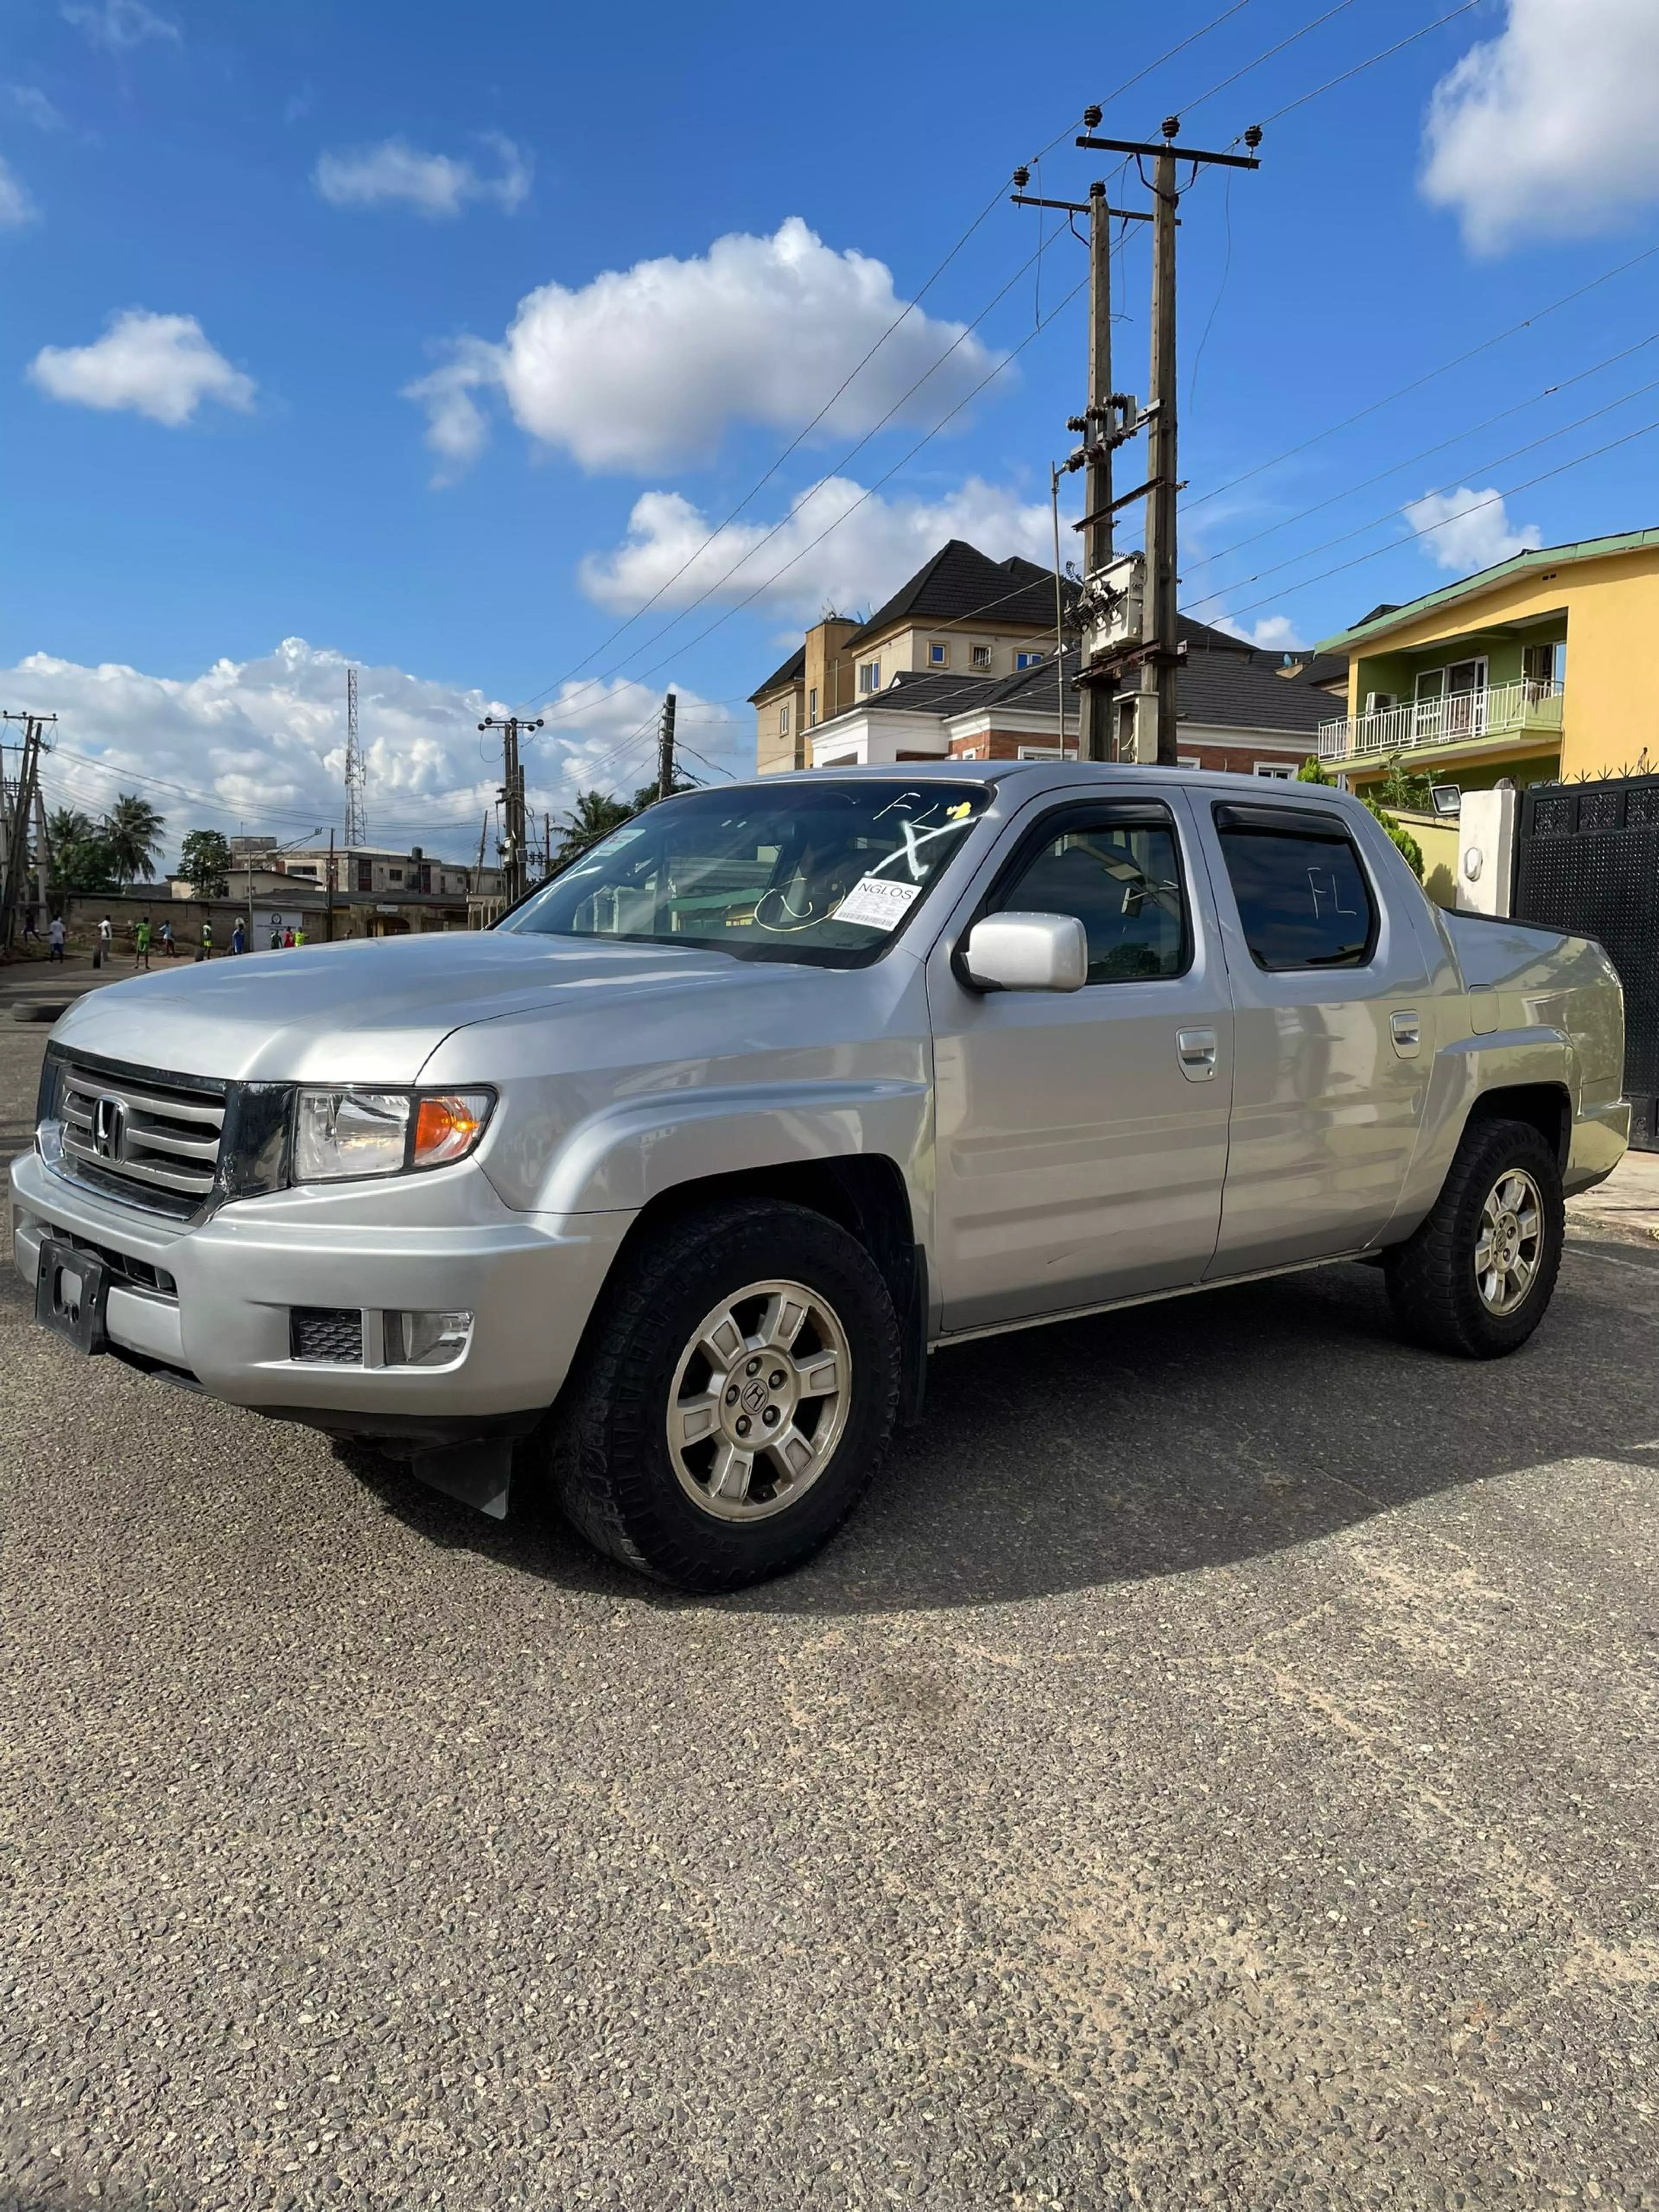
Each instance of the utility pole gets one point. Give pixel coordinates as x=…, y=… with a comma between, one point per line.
x=516, y=874
x=665, y=747
x=1158, y=657
x=328, y=911
x=15, y=892
x=1097, y=424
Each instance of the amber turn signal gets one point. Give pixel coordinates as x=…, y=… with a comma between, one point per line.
x=446, y=1129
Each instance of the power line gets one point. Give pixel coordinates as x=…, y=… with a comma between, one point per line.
x=1341, y=6
x=1438, y=491
x=1428, y=377
x=1371, y=62
x=1235, y=8
x=1426, y=453
x=903, y=460
x=784, y=520
x=1492, y=499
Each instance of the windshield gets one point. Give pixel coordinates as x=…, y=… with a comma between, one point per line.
x=827, y=873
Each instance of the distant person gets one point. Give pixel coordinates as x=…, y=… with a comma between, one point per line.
x=58, y=935
x=141, y=943
x=239, y=936
x=29, y=929
x=207, y=941
x=275, y=936
x=106, y=942
x=167, y=945
x=288, y=937
x=300, y=936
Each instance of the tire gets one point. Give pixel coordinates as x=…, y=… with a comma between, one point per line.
x=825, y=1399
x=1442, y=1296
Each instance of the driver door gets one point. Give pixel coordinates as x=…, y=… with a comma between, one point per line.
x=1081, y=1137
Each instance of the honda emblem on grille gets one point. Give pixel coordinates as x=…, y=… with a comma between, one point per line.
x=109, y=1126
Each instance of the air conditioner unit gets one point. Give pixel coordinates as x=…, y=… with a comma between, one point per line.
x=1112, y=608
x=1379, y=703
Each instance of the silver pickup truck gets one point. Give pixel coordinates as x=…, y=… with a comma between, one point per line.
x=661, y=1193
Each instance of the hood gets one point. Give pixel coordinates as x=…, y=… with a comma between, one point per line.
x=370, y=1011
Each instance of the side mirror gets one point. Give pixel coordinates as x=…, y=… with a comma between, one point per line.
x=1028, y=952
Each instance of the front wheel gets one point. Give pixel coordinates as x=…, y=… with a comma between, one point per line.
x=1477, y=1276
x=735, y=1394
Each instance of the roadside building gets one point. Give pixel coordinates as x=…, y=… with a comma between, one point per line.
x=1238, y=709
x=1469, y=684
x=961, y=615
x=960, y=664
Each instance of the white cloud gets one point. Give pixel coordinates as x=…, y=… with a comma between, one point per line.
x=261, y=743
x=31, y=104
x=1465, y=530
x=646, y=367
x=1272, y=633
x=119, y=25
x=863, y=559
x=17, y=207
x=433, y=184
x=1550, y=129
x=157, y=365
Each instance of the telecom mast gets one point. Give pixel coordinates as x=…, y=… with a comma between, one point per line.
x=356, y=777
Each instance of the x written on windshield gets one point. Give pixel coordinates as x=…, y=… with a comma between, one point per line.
x=937, y=818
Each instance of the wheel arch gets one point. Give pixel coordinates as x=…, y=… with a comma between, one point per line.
x=866, y=1194
x=1546, y=1107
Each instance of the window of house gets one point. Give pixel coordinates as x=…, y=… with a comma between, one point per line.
x=1182, y=760
x=365, y=875
x=1303, y=898
x=812, y=707
x=1028, y=659
x=1543, y=667
x=981, y=656
x=869, y=675
x=1274, y=769
x=783, y=721
x=1117, y=868
x=394, y=875
x=938, y=656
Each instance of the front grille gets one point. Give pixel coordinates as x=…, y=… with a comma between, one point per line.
x=148, y=1139
x=333, y=1334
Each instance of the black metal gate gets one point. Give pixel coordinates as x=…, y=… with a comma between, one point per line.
x=1588, y=860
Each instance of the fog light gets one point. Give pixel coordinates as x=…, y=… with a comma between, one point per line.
x=426, y=1339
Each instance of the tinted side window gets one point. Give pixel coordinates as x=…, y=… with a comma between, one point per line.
x=1122, y=881
x=1304, y=901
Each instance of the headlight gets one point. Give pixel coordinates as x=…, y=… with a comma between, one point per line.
x=340, y=1133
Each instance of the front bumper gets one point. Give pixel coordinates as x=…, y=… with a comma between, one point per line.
x=530, y=1280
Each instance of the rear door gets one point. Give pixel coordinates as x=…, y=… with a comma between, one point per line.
x=1082, y=1136
x=1329, y=1058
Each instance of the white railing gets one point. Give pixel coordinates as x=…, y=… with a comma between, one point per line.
x=1504, y=710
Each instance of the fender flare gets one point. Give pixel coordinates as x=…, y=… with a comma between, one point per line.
x=634, y=1150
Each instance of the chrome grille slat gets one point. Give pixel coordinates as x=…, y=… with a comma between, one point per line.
x=170, y=1138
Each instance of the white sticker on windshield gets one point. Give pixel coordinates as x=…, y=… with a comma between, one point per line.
x=878, y=902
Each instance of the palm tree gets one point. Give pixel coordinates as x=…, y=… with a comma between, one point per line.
x=594, y=815
x=80, y=854
x=132, y=832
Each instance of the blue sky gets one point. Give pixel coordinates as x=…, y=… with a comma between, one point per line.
x=233, y=239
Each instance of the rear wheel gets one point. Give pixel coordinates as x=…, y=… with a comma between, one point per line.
x=734, y=1398
x=1478, y=1275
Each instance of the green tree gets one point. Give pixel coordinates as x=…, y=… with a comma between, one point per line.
x=594, y=815
x=1312, y=772
x=81, y=860
x=132, y=830
x=649, y=793
x=205, y=861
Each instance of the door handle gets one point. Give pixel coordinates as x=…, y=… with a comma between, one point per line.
x=1197, y=1051
x=1407, y=1033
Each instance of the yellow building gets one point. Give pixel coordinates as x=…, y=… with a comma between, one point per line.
x=1534, y=670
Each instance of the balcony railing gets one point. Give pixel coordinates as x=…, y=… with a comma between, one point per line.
x=1506, y=710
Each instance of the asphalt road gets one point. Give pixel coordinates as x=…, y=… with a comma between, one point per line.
x=1217, y=1768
